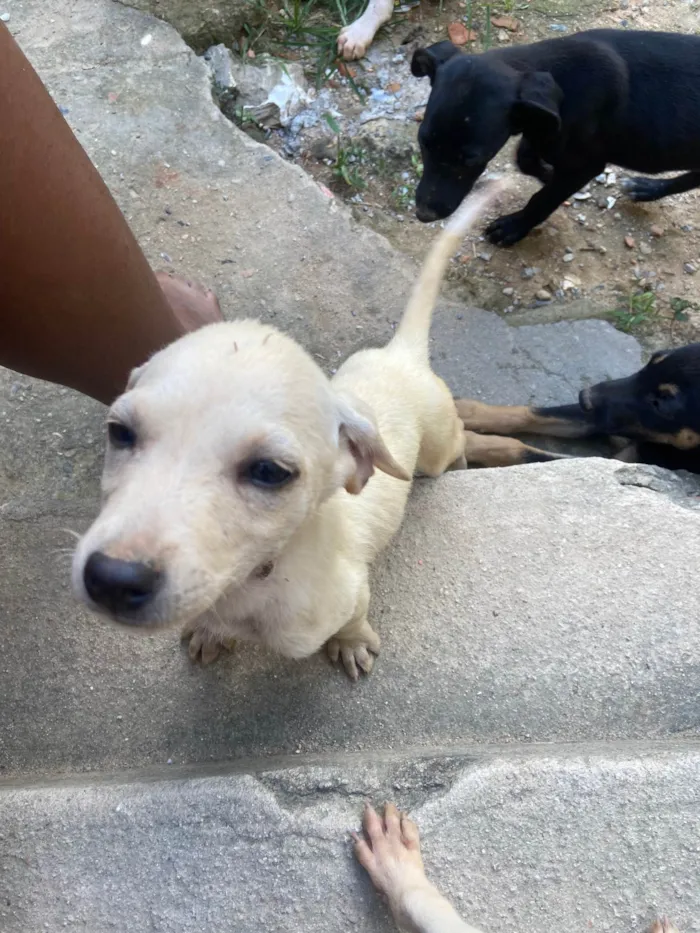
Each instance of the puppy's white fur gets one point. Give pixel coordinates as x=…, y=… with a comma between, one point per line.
x=284, y=567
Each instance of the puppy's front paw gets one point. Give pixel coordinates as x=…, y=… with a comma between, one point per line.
x=204, y=644
x=644, y=189
x=356, y=654
x=663, y=925
x=507, y=230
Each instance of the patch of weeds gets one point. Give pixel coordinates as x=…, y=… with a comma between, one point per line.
x=680, y=308
x=302, y=25
x=403, y=196
x=348, y=158
x=640, y=308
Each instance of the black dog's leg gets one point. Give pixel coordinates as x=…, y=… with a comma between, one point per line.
x=509, y=229
x=651, y=189
x=506, y=420
x=530, y=163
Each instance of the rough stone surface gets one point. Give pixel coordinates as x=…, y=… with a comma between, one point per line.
x=591, y=840
x=530, y=604
x=201, y=22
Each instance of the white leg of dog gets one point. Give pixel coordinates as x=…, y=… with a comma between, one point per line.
x=355, y=39
x=390, y=852
x=357, y=642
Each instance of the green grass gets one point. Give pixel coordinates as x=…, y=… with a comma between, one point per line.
x=300, y=25
x=348, y=159
x=639, y=309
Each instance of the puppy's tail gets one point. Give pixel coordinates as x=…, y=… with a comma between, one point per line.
x=414, y=328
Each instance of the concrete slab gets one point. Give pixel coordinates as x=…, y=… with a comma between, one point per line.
x=541, y=603
x=584, y=840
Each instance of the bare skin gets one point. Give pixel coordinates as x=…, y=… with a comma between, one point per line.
x=390, y=852
x=79, y=304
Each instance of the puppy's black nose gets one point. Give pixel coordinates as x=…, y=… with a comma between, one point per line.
x=426, y=215
x=119, y=586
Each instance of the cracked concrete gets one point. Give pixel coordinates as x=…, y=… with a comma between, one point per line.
x=548, y=604
x=228, y=853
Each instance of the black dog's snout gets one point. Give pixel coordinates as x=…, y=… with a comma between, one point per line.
x=585, y=399
x=426, y=215
x=120, y=586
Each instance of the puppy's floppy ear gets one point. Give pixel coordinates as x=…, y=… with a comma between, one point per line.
x=361, y=448
x=425, y=62
x=134, y=376
x=536, y=110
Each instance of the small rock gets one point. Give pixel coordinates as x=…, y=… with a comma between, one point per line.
x=569, y=257
x=393, y=87
x=570, y=283
x=486, y=257
x=602, y=250
x=543, y=295
x=610, y=203
x=4, y=17
x=558, y=27
x=419, y=115
x=530, y=272
x=581, y=218
x=505, y=22
x=656, y=230
x=582, y=195
x=612, y=178
x=630, y=242
x=601, y=178
x=689, y=268
x=687, y=228
x=508, y=291
x=502, y=35
x=645, y=249
x=617, y=215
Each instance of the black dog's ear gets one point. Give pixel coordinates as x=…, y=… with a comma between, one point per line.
x=536, y=111
x=425, y=62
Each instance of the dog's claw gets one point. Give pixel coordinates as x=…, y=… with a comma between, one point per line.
x=507, y=230
x=204, y=644
x=355, y=657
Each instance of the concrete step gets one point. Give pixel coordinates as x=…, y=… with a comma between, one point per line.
x=541, y=603
x=578, y=839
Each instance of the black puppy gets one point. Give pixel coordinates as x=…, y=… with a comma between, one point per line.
x=657, y=409
x=604, y=96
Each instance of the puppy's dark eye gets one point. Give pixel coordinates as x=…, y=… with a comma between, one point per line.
x=120, y=437
x=266, y=474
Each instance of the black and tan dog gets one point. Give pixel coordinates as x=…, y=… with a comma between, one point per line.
x=657, y=410
x=615, y=96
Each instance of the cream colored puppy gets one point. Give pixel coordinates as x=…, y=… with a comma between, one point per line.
x=240, y=493
x=390, y=852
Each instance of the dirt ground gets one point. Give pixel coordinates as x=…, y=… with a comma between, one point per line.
x=600, y=254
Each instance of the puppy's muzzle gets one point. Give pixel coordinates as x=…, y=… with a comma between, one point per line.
x=120, y=587
x=426, y=215
x=585, y=400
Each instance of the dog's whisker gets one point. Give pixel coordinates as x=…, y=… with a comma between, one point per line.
x=72, y=533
